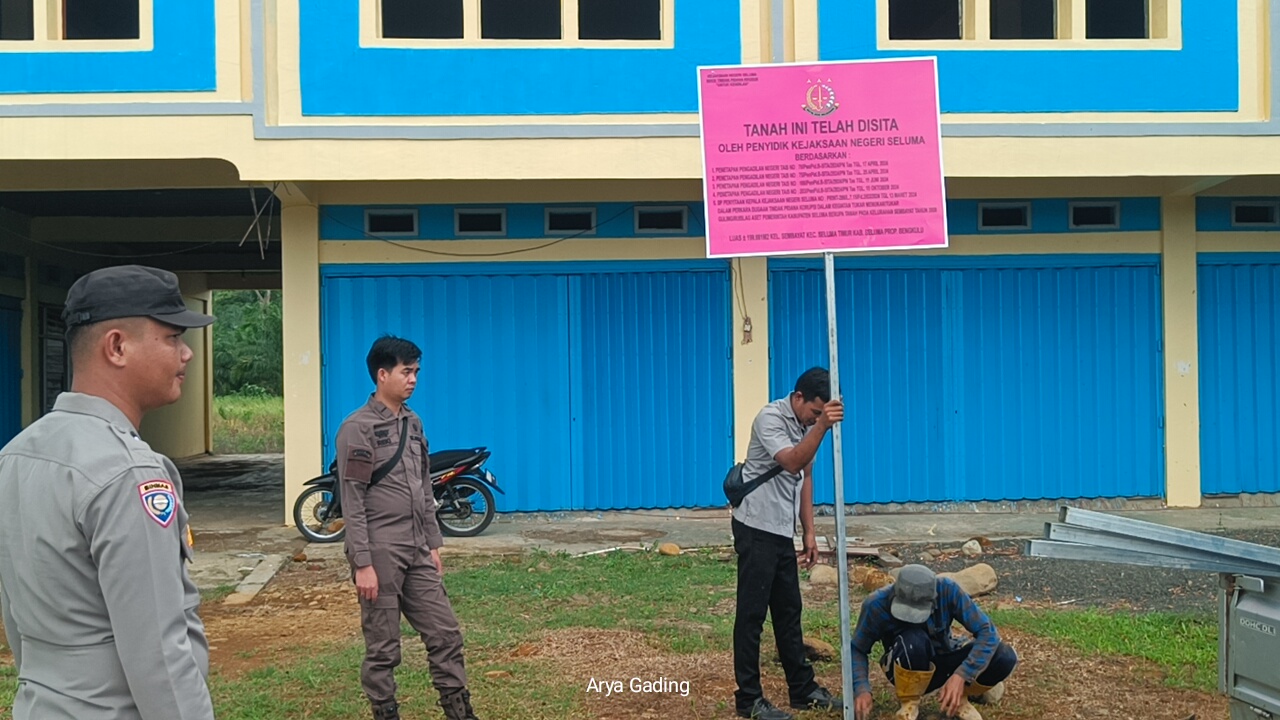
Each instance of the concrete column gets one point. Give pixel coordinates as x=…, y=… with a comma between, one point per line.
x=1181, y=352
x=300, y=285
x=185, y=428
x=750, y=361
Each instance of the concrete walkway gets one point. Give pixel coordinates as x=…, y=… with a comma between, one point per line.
x=236, y=506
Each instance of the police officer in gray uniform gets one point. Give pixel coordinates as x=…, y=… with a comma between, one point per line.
x=393, y=540
x=98, y=607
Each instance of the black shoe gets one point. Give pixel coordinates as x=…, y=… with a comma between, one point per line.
x=389, y=710
x=762, y=709
x=457, y=705
x=819, y=699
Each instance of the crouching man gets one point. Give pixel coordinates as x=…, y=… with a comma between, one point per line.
x=912, y=620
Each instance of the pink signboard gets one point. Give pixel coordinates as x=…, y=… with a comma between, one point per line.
x=825, y=157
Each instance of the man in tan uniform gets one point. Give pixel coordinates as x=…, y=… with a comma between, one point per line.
x=98, y=607
x=392, y=540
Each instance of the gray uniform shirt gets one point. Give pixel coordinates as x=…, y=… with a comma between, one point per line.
x=775, y=506
x=98, y=607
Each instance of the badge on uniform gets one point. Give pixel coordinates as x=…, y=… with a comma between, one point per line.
x=159, y=500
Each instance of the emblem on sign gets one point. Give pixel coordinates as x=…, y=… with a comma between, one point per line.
x=159, y=500
x=820, y=98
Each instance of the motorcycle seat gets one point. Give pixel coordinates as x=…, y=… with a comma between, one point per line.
x=452, y=458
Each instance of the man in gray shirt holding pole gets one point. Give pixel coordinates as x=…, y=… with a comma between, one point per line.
x=786, y=432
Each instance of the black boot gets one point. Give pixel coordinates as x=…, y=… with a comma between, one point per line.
x=457, y=705
x=389, y=710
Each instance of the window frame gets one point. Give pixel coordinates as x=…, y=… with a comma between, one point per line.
x=1164, y=29
x=1005, y=205
x=458, y=232
x=1071, y=219
x=371, y=31
x=1273, y=204
x=369, y=213
x=682, y=209
x=546, y=221
x=49, y=27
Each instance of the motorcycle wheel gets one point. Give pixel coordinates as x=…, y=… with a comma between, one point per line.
x=466, y=508
x=310, y=514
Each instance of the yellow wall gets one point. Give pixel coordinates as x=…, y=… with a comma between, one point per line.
x=750, y=359
x=184, y=429
x=1181, y=353
x=231, y=138
x=300, y=291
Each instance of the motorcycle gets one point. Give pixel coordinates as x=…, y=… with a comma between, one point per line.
x=462, y=489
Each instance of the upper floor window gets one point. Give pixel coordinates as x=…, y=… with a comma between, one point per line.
x=1003, y=21
x=1117, y=19
x=520, y=22
x=51, y=21
x=1023, y=19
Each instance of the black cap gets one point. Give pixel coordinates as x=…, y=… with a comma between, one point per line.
x=129, y=291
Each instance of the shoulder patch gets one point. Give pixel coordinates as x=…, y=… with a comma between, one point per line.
x=159, y=500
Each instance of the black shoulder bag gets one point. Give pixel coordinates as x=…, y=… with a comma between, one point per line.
x=377, y=475
x=735, y=489
x=386, y=468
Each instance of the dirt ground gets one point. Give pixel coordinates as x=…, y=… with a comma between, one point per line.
x=1050, y=682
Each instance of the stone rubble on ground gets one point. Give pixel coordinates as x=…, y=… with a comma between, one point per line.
x=888, y=559
x=824, y=575
x=976, y=580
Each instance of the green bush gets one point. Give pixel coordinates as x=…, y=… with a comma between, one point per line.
x=248, y=343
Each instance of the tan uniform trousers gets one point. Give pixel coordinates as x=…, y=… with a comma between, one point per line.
x=409, y=583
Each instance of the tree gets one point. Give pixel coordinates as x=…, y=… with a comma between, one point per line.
x=248, y=345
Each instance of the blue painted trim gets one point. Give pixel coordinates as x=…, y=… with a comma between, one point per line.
x=183, y=58
x=1203, y=76
x=1213, y=214
x=524, y=221
x=573, y=267
x=341, y=78
x=907, y=262
x=263, y=131
x=1239, y=258
x=1052, y=216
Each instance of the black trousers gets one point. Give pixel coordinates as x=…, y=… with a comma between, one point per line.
x=914, y=651
x=768, y=582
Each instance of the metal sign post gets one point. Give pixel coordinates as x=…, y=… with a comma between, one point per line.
x=842, y=563
x=791, y=166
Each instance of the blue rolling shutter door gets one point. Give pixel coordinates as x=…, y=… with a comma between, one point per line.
x=969, y=381
x=1239, y=391
x=655, y=407
x=595, y=390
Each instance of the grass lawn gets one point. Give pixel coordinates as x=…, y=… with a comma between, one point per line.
x=539, y=626
x=1185, y=647
x=248, y=425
